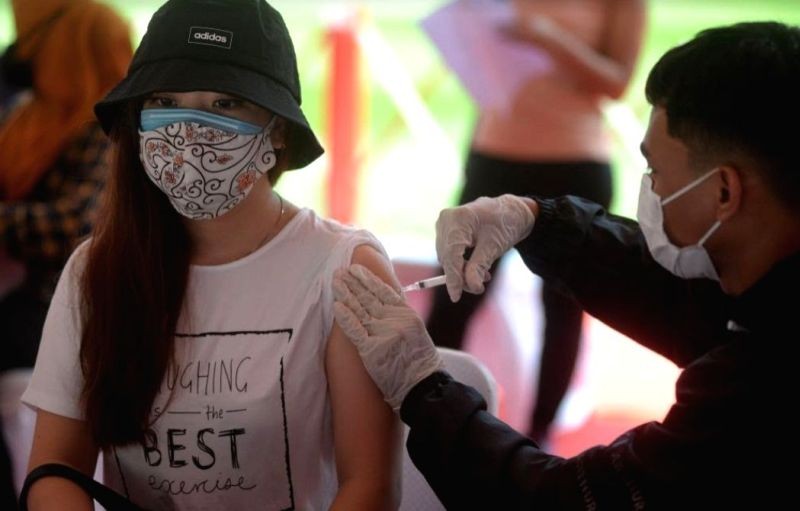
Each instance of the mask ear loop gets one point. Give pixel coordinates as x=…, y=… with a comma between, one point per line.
x=685, y=189
x=708, y=234
x=267, y=131
x=688, y=187
x=270, y=125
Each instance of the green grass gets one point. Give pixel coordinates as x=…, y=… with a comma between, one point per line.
x=407, y=179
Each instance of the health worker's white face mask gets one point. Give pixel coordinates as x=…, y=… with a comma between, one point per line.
x=688, y=262
x=205, y=163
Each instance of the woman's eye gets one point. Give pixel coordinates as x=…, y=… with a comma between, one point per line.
x=160, y=102
x=227, y=104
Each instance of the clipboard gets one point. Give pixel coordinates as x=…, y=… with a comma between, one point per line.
x=490, y=65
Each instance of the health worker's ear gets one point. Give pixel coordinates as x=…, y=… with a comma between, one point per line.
x=729, y=198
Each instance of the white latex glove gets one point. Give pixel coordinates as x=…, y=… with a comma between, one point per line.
x=389, y=335
x=491, y=227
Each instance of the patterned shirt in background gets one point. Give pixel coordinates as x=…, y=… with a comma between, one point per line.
x=42, y=230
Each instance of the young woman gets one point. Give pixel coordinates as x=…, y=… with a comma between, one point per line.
x=192, y=338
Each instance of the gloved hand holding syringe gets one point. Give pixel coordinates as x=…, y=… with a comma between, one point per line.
x=471, y=237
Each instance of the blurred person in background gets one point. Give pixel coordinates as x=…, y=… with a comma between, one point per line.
x=551, y=141
x=53, y=156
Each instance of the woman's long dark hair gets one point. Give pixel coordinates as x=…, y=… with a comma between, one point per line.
x=133, y=289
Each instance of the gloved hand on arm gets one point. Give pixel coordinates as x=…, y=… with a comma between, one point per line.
x=389, y=335
x=491, y=226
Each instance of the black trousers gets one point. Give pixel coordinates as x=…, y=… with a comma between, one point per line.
x=21, y=320
x=447, y=322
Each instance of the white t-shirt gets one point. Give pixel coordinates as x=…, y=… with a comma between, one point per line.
x=249, y=422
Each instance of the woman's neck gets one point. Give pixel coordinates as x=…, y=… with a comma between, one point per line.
x=241, y=231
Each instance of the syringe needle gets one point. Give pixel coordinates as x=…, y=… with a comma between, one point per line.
x=425, y=283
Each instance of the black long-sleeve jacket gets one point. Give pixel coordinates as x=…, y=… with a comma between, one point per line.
x=728, y=442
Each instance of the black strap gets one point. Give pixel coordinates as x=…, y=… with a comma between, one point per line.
x=104, y=495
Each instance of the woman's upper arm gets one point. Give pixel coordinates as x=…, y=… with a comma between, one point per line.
x=59, y=439
x=624, y=33
x=366, y=430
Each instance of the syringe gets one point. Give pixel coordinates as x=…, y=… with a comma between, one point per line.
x=425, y=283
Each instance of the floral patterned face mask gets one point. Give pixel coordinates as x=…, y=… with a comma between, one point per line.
x=205, y=163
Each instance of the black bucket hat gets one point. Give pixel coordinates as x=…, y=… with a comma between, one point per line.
x=238, y=47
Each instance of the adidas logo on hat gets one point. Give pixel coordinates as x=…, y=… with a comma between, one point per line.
x=211, y=37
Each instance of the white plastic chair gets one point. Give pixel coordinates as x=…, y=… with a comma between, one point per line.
x=417, y=495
